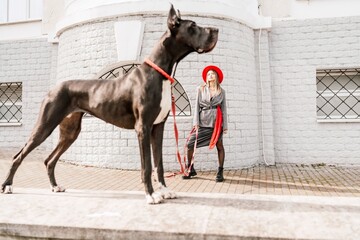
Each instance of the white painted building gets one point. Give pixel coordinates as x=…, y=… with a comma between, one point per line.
x=291, y=69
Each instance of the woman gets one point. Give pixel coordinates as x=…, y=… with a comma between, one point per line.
x=210, y=119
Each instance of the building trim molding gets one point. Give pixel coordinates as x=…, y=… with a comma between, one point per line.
x=79, y=11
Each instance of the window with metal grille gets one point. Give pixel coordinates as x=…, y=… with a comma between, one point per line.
x=182, y=103
x=338, y=94
x=10, y=102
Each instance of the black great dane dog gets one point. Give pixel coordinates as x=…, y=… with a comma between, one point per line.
x=140, y=100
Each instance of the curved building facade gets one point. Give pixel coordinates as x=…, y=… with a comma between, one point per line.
x=88, y=46
x=292, y=81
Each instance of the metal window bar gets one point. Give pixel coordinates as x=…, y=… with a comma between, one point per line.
x=338, y=93
x=118, y=71
x=11, y=102
x=182, y=103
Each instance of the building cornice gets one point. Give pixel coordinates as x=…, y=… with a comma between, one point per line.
x=82, y=11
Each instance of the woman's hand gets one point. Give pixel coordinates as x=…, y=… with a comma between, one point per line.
x=225, y=131
x=196, y=127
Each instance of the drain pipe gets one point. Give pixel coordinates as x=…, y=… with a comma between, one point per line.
x=262, y=94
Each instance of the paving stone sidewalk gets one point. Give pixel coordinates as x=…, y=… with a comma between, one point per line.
x=286, y=201
x=282, y=179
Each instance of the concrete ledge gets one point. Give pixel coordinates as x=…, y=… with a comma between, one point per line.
x=80, y=214
x=54, y=232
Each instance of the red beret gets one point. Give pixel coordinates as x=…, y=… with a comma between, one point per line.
x=214, y=68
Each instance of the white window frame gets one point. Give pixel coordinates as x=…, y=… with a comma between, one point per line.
x=27, y=18
x=335, y=97
x=9, y=103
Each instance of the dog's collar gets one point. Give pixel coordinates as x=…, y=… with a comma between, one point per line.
x=160, y=70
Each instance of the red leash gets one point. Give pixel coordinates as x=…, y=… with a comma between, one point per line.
x=214, y=138
x=157, y=68
x=188, y=169
x=183, y=170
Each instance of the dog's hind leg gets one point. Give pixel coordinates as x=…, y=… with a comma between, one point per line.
x=157, y=136
x=70, y=128
x=52, y=111
x=39, y=134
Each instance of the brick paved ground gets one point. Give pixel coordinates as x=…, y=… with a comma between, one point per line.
x=282, y=179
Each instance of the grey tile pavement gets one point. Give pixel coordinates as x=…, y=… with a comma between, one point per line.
x=285, y=201
x=282, y=179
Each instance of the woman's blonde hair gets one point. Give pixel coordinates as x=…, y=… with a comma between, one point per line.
x=217, y=84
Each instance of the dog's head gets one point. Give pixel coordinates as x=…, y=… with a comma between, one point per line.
x=189, y=35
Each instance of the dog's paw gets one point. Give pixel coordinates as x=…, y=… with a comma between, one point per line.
x=167, y=193
x=8, y=189
x=154, y=198
x=57, y=189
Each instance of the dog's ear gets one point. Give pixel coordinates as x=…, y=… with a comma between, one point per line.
x=173, y=19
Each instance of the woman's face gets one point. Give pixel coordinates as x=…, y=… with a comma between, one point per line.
x=211, y=76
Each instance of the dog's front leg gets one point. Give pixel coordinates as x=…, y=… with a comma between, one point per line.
x=157, y=136
x=143, y=133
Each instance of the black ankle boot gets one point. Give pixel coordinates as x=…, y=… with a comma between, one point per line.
x=191, y=174
x=219, y=175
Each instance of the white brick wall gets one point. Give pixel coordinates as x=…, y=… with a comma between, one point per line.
x=289, y=54
x=297, y=49
x=84, y=50
x=27, y=61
